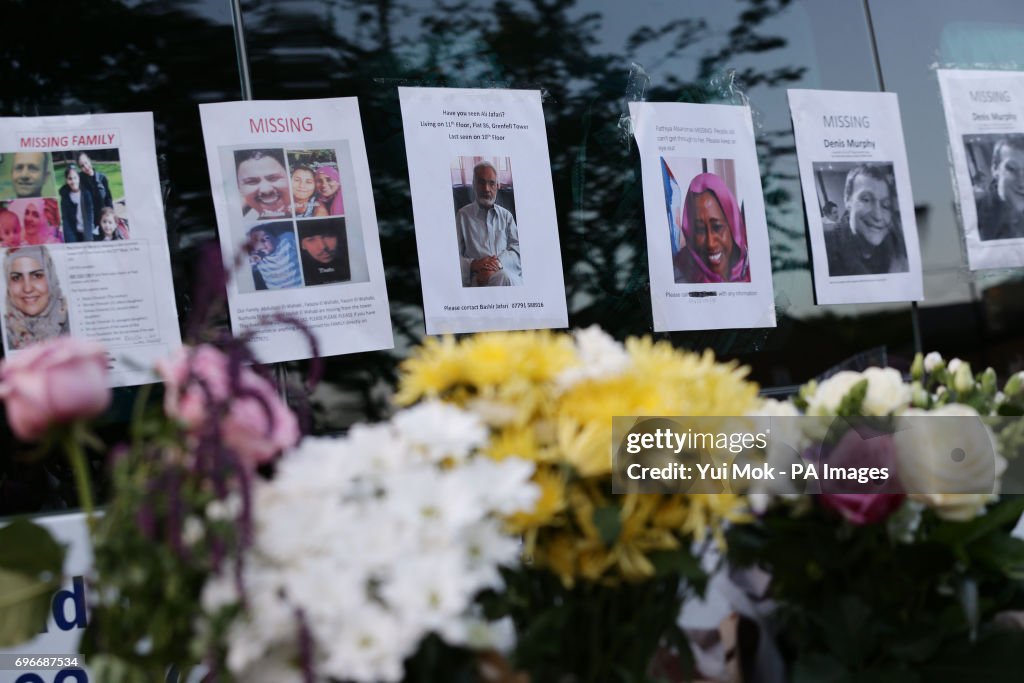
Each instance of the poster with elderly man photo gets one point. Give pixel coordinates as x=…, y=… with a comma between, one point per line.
x=484, y=209
x=83, y=239
x=985, y=120
x=856, y=187
x=291, y=189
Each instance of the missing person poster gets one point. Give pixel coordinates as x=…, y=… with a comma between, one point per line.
x=985, y=119
x=856, y=186
x=707, y=237
x=83, y=239
x=291, y=188
x=484, y=209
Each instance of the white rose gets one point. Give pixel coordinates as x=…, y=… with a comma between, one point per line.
x=831, y=393
x=953, y=365
x=948, y=464
x=887, y=392
x=932, y=360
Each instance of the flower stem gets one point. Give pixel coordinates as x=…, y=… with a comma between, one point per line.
x=79, y=465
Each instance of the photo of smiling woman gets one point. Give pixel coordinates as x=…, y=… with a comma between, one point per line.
x=35, y=307
x=868, y=237
x=708, y=230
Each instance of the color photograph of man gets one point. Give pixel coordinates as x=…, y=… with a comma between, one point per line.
x=274, y=257
x=488, y=237
x=868, y=237
x=29, y=172
x=96, y=183
x=324, y=247
x=996, y=163
x=263, y=183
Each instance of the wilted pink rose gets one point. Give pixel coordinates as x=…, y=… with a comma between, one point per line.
x=862, y=508
x=53, y=382
x=257, y=425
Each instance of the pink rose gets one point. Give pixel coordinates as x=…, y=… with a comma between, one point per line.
x=256, y=424
x=863, y=447
x=53, y=382
x=862, y=508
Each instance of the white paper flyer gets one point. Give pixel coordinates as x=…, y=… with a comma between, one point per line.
x=856, y=186
x=291, y=182
x=484, y=209
x=985, y=119
x=84, y=240
x=707, y=237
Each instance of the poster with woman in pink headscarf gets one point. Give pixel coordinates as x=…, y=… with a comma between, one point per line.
x=707, y=237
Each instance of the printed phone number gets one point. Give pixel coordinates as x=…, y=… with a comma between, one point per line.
x=16, y=663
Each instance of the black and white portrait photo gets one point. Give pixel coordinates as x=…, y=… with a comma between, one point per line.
x=995, y=163
x=860, y=218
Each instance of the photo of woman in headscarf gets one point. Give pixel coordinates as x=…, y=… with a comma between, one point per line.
x=274, y=257
x=712, y=234
x=40, y=222
x=35, y=307
x=328, y=189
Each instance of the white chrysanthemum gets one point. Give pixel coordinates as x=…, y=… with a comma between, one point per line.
x=376, y=539
x=599, y=355
x=440, y=430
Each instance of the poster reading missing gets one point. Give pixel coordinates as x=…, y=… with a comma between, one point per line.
x=291, y=188
x=83, y=239
x=985, y=119
x=484, y=209
x=707, y=237
x=856, y=187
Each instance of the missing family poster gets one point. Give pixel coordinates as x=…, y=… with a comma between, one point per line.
x=484, y=209
x=83, y=239
x=291, y=188
x=856, y=187
x=707, y=237
x=985, y=119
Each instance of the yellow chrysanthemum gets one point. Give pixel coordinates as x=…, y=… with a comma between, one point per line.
x=432, y=369
x=512, y=381
x=549, y=504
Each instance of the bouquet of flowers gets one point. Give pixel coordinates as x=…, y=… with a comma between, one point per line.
x=367, y=545
x=606, y=573
x=228, y=544
x=901, y=580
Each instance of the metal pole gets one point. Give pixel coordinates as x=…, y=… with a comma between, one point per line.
x=240, y=52
x=915, y=320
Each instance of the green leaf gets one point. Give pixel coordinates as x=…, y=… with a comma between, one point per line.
x=854, y=399
x=679, y=562
x=608, y=524
x=24, y=605
x=1004, y=553
x=30, y=571
x=1005, y=512
x=30, y=549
